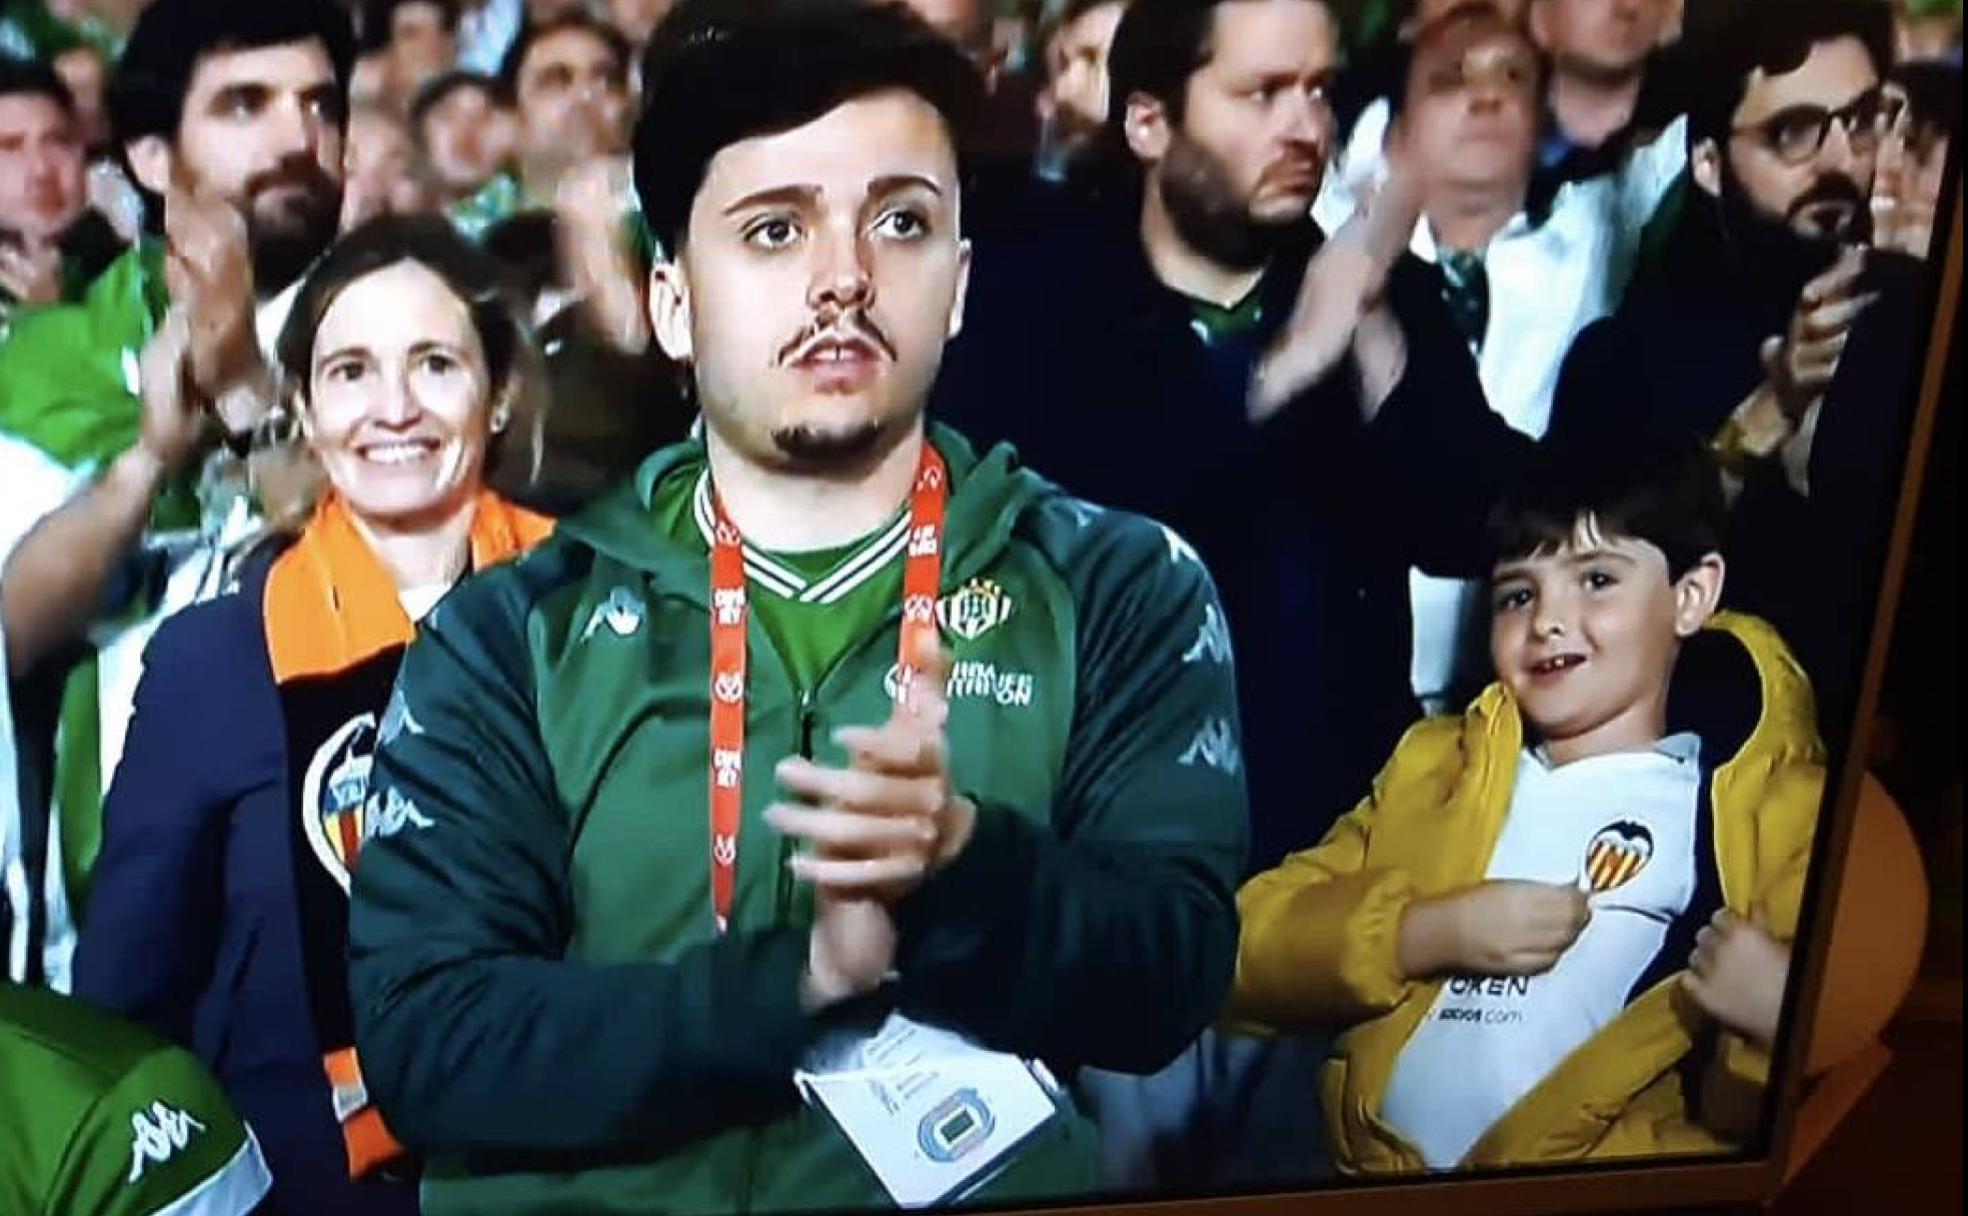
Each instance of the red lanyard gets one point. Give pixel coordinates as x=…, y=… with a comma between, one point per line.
x=921, y=578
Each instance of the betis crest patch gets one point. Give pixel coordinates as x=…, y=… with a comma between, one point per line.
x=1617, y=855
x=975, y=609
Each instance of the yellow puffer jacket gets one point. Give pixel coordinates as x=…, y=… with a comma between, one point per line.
x=1318, y=943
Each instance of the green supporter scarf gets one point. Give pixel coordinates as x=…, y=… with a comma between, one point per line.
x=67, y=373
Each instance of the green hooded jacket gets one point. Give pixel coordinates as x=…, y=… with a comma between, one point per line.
x=542, y=1003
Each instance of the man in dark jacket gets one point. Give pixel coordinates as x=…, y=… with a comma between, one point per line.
x=1203, y=355
x=575, y=994
x=1771, y=329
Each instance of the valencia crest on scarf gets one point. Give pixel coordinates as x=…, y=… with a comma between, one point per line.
x=336, y=634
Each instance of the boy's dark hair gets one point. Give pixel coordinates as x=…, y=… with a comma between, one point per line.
x=532, y=35
x=479, y=281
x=442, y=86
x=379, y=17
x=31, y=78
x=1775, y=37
x=1667, y=493
x=146, y=93
x=720, y=71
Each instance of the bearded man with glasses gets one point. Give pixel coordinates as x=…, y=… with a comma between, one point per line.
x=1772, y=328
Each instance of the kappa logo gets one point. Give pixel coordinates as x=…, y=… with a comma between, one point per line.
x=1212, y=642
x=975, y=609
x=621, y=612
x=157, y=1135
x=397, y=719
x=922, y=541
x=1616, y=856
x=724, y=847
x=930, y=478
x=391, y=813
x=1179, y=549
x=1215, y=746
x=728, y=687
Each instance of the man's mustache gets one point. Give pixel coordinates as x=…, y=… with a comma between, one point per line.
x=293, y=173
x=1832, y=188
x=846, y=327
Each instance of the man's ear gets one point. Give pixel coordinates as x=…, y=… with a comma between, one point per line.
x=1539, y=15
x=151, y=161
x=1705, y=166
x=669, y=310
x=1146, y=125
x=963, y=290
x=1697, y=594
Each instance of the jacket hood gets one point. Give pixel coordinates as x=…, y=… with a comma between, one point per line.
x=1736, y=685
x=988, y=493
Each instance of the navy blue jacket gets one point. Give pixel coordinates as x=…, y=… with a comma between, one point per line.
x=1076, y=354
x=192, y=926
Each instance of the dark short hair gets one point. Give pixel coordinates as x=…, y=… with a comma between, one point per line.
x=1774, y=37
x=532, y=35
x=721, y=71
x=146, y=92
x=435, y=90
x=1158, y=46
x=379, y=16
x=31, y=78
x=1665, y=492
x=477, y=279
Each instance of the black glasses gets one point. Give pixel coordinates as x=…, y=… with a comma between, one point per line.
x=1797, y=134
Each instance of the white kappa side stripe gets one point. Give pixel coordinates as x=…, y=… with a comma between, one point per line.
x=233, y=1189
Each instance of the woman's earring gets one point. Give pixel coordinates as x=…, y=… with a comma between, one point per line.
x=501, y=418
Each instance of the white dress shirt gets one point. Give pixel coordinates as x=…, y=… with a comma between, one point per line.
x=1547, y=281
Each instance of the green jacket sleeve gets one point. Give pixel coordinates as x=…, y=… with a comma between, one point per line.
x=162, y=1139
x=475, y=1031
x=1107, y=936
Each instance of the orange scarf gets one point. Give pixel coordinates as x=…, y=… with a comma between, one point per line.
x=331, y=609
x=330, y=604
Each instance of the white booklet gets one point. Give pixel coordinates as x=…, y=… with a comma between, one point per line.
x=933, y=1114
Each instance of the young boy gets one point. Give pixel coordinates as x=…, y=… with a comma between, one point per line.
x=1511, y=925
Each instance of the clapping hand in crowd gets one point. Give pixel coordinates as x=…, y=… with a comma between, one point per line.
x=876, y=829
x=210, y=271
x=1340, y=306
x=590, y=204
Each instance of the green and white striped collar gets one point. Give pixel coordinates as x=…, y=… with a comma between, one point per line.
x=866, y=560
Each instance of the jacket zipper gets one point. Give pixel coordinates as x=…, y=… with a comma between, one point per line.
x=783, y=881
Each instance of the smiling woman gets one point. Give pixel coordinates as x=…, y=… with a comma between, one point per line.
x=241, y=803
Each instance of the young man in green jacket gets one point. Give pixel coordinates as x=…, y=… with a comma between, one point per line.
x=819, y=721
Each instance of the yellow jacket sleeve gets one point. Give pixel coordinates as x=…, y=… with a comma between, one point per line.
x=1320, y=932
x=1733, y=1082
